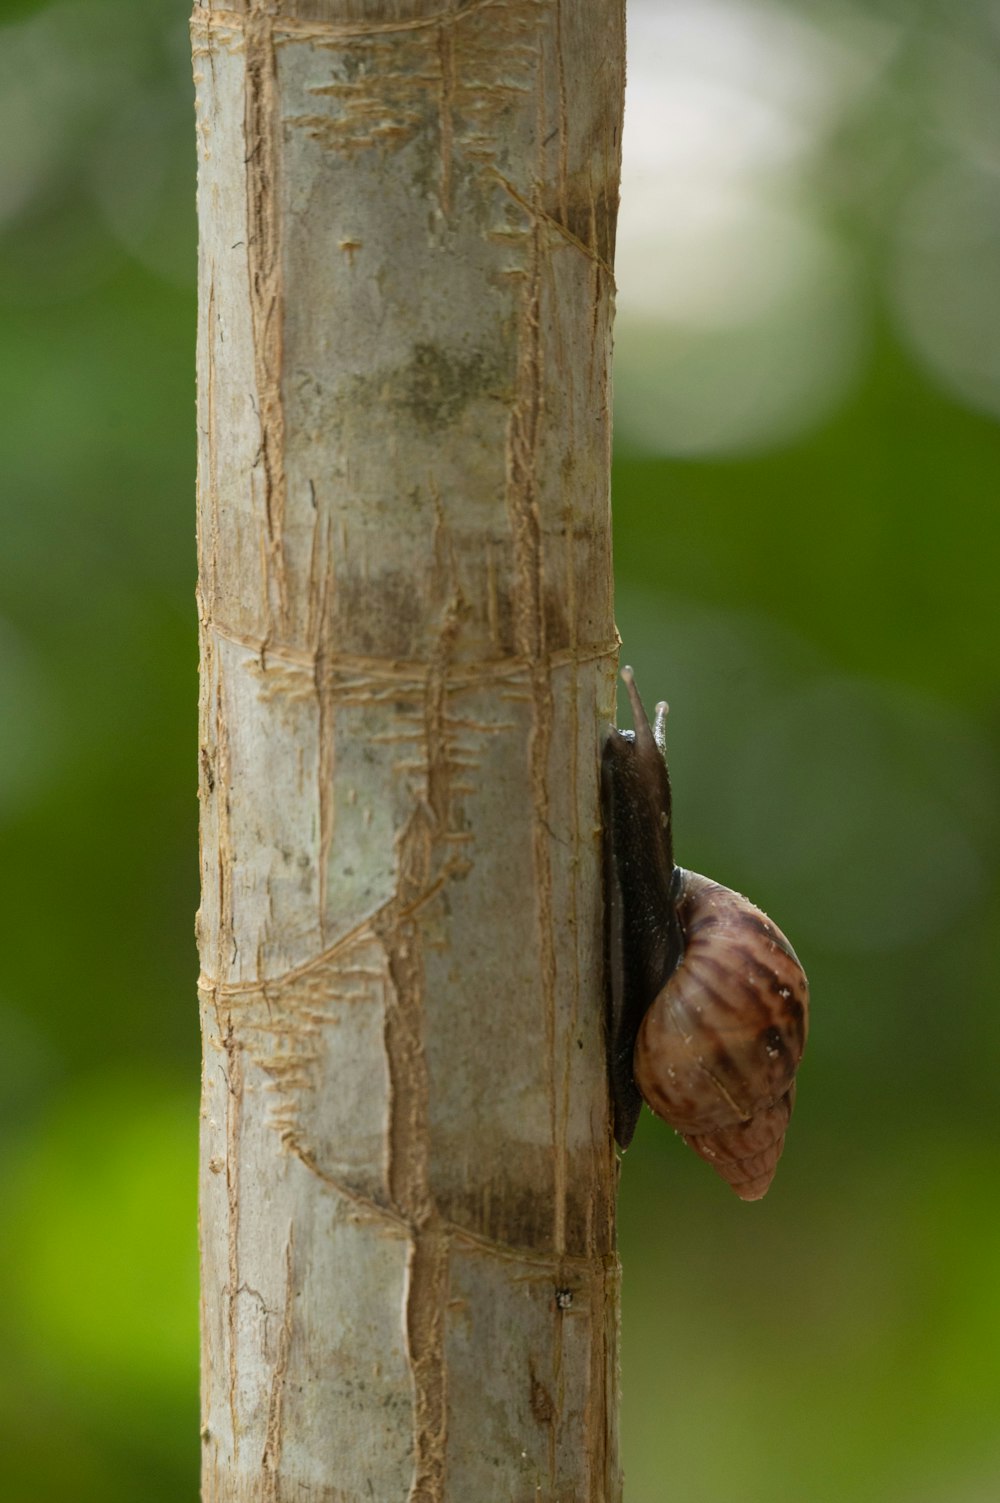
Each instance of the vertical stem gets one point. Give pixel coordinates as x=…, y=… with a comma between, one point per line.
x=407, y=223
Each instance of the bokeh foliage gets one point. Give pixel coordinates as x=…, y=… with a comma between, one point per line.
x=819, y=609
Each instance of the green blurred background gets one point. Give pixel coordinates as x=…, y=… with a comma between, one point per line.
x=808, y=452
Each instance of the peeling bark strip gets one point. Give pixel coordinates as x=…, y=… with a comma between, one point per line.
x=410, y=1286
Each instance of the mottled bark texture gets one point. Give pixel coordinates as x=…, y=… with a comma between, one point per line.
x=407, y=218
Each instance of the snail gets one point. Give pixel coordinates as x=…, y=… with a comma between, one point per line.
x=708, y=1002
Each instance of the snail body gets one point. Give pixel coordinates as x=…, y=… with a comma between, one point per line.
x=708, y=1001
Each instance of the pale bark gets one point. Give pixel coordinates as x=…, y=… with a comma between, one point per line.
x=410, y=1285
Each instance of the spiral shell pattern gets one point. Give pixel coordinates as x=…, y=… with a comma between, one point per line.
x=717, y=1051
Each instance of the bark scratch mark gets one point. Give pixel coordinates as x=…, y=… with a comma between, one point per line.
x=226, y=935
x=426, y=1296
x=370, y=1209
x=271, y=1459
x=321, y=589
x=446, y=54
x=261, y=132
x=423, y=867
x=208, y=509
x=539, y=216
x=234, y=1108
x=298, y=29
x=408, y=1168
x=563, y=126
x=530, y=636
x=353, y=672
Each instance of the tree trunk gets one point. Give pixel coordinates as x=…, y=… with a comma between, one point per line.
x=407, y=210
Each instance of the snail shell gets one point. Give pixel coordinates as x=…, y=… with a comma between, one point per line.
x=717, y=1050
x=709, y=1004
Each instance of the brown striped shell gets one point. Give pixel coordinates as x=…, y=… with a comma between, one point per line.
x=717, y=1050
